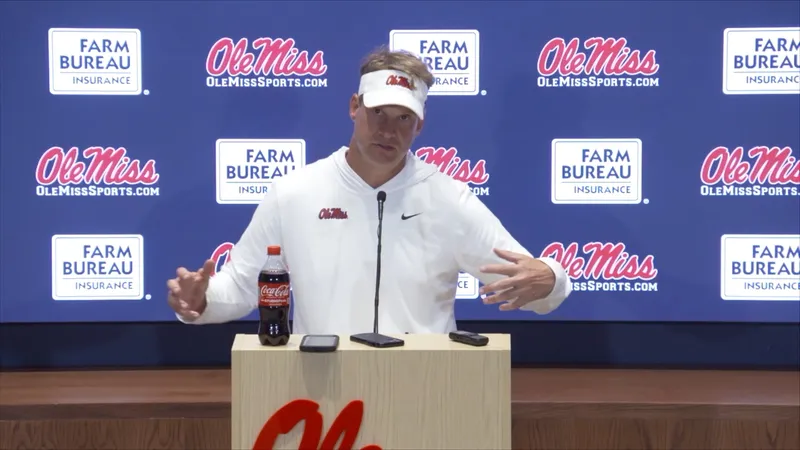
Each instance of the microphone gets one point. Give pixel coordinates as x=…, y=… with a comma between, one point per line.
x=381, y=200
x=376, y=339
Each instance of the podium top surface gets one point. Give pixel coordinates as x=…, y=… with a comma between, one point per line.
x=413, y=342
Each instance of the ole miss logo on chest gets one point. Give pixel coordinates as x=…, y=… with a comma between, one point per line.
x=332, y=213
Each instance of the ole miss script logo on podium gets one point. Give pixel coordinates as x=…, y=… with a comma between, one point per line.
x=346, y=426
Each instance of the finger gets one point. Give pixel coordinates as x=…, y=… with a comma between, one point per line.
x=174, y=287
x=184, y=290
x=500, y=285
x=187, y=280
x=509, y=255
x=189, y=313
x=521, y=297
x=503, y=296
x=180, y=306
x=512, y=305
x=502, y=269
x=181, y=272
x=183, y=309
x=207, y=269
x=174, y=302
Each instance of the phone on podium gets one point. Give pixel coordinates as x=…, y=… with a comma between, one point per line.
x=469, y=338
x=377, y=340
x=319, y=343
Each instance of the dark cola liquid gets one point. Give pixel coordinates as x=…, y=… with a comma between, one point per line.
x=273, y=324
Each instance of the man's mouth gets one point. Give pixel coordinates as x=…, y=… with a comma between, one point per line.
x=384, y=147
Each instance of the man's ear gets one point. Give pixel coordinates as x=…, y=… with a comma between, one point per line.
x=420, y=125
x=354, y=104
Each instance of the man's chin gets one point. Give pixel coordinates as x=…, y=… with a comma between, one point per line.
x=387, y=157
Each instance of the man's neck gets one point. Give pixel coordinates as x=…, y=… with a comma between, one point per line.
x=371, y=175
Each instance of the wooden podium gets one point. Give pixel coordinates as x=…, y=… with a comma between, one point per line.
x=431, y=393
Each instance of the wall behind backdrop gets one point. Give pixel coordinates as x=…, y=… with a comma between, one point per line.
x=650, y=147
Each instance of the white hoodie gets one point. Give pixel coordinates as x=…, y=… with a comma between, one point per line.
x=332, y=262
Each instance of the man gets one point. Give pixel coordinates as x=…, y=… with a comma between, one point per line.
x=433, y=227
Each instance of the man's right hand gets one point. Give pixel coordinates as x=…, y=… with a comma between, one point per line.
x=187, y=291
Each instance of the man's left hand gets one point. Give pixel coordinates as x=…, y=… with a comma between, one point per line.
x=528, y=280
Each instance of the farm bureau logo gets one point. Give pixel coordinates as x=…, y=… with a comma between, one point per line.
x=604, y=267
x=563, y=64
x=452, y=56
x=596, y=171
x=771, y=171
x=452, y=165
x=345, y=427
x=761, y=61
x=95, y=61
x=246, y=168
x=760, y=267
x=108, y=171
x=97, y=267
x=273, y=64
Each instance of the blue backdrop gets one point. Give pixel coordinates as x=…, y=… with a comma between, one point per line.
x=651, y=147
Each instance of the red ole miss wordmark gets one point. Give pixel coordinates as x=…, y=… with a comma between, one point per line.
x=605, y=261
x=278, y=57
x=346, y=427
x=450, y=164
x=609, y=57
x=332, y=213
x=770, y=165
x=110, y=166
x=220, y=256
x=399, y=80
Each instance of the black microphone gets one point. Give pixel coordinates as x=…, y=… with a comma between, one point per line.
x=376, y=339
x=381, y=199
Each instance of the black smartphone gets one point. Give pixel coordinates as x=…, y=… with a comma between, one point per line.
x=319, y=343
x=377, y=340
x=469, y=338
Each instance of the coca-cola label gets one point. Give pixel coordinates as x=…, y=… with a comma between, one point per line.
x=604, y=266
x=462, y=169
x=273, y=294
x=264, y=62
x=761, y=170
x=96, y=171
x=595, y=62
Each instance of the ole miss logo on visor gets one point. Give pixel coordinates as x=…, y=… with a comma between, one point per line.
x=399, y=80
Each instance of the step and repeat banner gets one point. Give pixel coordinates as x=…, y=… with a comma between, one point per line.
x=650, y=147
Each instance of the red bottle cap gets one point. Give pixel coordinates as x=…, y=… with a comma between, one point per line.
x=274, y=250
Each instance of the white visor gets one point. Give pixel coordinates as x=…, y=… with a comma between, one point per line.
x=393, y=87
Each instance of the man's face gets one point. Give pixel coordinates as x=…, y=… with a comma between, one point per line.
x=384, y=134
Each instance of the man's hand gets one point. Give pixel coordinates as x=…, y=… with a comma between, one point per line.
x=528, y=280
x=187, y=291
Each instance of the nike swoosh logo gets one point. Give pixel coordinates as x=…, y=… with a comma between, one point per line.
x=405, y=217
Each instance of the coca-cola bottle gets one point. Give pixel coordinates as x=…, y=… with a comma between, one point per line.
x=273, y=300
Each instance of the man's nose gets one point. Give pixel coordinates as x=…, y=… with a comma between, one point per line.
x=385, y=128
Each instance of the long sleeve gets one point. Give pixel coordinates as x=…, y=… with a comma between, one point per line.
x=233, y=292
x=478, y=232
